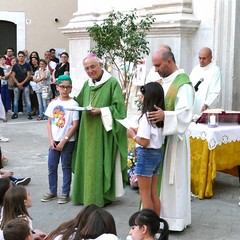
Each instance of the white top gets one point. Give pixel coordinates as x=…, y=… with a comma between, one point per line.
x=148, y=131
x=106, y=236
x=62, y=120
x=210, y=89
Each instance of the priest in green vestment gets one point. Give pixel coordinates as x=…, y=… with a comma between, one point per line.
x=100, y=157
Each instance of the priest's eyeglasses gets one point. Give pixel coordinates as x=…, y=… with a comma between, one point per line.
x=92, y=67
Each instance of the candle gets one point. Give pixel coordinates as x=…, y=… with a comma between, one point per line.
x=212, y=120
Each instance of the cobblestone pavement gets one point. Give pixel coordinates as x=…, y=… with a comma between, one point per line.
x=216, y=218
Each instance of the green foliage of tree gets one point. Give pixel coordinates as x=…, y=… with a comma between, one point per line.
x=121, y=40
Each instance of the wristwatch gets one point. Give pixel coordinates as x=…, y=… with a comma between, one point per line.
x=134, y=138
x=66, y=138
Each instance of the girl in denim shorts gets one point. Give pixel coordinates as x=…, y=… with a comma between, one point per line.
x=149, y=140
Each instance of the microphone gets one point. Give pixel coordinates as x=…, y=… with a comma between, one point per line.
x=198, y=83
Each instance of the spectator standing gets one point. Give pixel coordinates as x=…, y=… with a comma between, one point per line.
x=9, y=55
x=206, y=79
x=53, y=56
x=62, y=126
x=34, y=54
x=62, y=68
x=34, y=63
x=4, y=86
x=2, y=109
x=100, y=166
x=179, y=97
x=8, y=76
x=51, y=65
x=21, y=74
x=43, y=88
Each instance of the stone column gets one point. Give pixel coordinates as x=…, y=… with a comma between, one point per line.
x=227, y=51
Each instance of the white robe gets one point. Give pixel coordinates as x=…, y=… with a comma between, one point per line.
x=209, y=90
x=175, y=186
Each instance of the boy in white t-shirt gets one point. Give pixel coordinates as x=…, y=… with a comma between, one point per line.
x=62, y=126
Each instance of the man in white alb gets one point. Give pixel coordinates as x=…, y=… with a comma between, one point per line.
x=175, y=182
x=206, y=79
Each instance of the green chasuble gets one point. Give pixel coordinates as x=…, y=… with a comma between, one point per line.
x=96, y=149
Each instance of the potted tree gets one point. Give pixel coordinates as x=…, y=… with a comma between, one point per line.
x=121, y=40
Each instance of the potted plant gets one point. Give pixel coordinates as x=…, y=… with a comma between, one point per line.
x=121, y=40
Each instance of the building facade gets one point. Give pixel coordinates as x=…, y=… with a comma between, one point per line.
x=185, y=25
x=33, y=25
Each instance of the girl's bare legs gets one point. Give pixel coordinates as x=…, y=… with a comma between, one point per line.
x=148, y=192
x=155, y=198
x=145, y=189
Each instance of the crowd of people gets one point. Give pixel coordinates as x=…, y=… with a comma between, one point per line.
x=93, y=144
x=31, y=79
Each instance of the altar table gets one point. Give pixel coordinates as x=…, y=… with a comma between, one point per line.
x=212, y=150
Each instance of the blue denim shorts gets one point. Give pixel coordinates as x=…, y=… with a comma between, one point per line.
x=149, y=161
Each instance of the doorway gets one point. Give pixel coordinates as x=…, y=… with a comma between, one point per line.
x=8, y=33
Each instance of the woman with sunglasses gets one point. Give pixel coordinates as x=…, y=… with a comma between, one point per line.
x=149, y=140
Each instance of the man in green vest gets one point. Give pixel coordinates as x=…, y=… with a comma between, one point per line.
x=100, y=158
x=179, y=97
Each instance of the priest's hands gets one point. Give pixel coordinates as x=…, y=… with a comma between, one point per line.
x=156, y=116
x=95, y=111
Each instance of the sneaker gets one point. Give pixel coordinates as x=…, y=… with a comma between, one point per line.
x=39, y=118
x=23, y=181
x=14, y=116
x=20, y=113
x=3, y=139
x=48, y=197
x=63, y=199
x=29, y=117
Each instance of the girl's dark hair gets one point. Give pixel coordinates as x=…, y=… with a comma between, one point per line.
x=68, y=228
x=146, y=217
x=14, y=204
x=5, y=184
x=64, y=53
x=37, y=57
x=150, y=219
x=99, y=222
x=153, y=95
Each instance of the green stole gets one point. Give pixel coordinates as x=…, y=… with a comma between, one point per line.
x=170, y=99
x=171, y=95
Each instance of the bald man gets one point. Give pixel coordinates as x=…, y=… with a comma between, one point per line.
x=179, y=98
x=152, y=75
x=206, y=78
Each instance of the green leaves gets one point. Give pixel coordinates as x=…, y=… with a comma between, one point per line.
x=122, y=38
